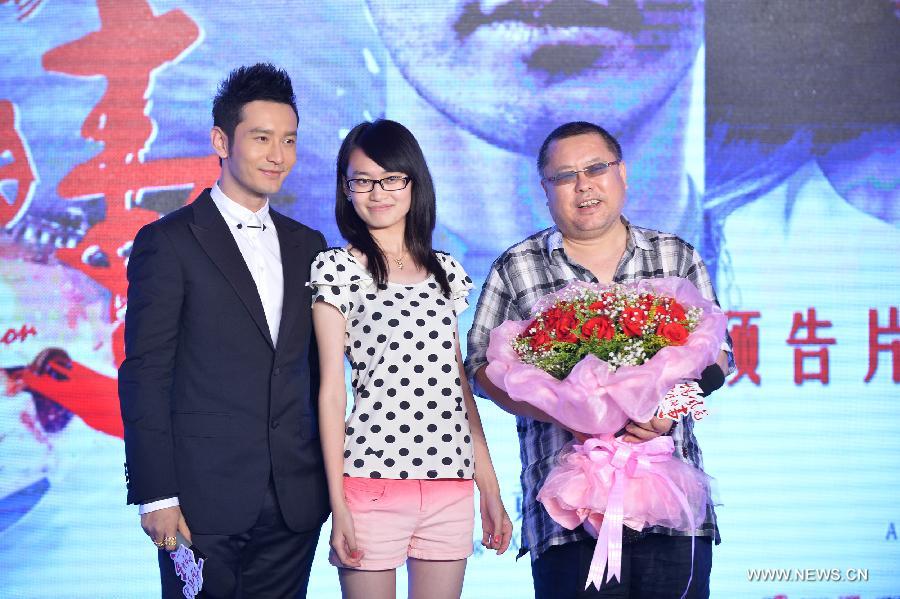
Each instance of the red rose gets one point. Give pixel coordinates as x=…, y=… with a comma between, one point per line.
x=604, y=302
x=671, y=310
x=533, y=326
x=598, y=327
x=539, y=340
x=550, y=317
x=675, y=333
x=568, y=337
x=676, y=311
x=633, y=319
x=646, y=301
x=564, y=325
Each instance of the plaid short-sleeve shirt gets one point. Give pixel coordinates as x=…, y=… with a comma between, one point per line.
x=517, y=279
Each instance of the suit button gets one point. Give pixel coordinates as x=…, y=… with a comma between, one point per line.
x=276, y=372
x=274, y=423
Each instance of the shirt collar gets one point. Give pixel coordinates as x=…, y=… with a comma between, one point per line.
x=636, y=238
x=234, y=213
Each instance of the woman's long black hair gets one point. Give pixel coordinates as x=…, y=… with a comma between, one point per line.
x=394, y=148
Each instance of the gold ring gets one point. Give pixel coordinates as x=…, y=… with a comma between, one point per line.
x=159, y=544
x=170, y=541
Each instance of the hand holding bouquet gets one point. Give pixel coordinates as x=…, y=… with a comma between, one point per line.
x=593, y=358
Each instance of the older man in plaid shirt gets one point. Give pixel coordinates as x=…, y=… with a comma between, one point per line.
x=584, y=179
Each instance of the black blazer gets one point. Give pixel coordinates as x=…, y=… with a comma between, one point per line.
x=211, y=408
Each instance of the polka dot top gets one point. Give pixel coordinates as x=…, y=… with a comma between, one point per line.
x=409, y=419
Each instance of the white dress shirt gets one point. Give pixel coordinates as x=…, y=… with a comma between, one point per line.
x=257, y=240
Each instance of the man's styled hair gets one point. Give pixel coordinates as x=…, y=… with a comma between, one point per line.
x=393, y=147
x=571, y=130
x=243, y=85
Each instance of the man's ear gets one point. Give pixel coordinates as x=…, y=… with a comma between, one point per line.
x=623, y=172
x=546, y=190
x=219, y=142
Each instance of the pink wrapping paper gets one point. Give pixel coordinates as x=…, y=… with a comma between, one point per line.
x=605, y=483
x=578, y=489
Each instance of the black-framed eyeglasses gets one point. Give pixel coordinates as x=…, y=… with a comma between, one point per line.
x=594, y=170
x=392, y=183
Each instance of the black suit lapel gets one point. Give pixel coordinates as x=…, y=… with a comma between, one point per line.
x=212, y=233
x=292, y=268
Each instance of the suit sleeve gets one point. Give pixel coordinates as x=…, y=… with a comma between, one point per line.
x=155, y=296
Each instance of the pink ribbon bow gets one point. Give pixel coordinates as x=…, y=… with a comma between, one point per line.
x=619, y=461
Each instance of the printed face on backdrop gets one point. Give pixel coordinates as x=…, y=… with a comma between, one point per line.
x=378, y=208
x=510, y=71
x=262, y=153
x=591, y=204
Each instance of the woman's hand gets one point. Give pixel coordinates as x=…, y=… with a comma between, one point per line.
x=343, y=538
x=496, y=526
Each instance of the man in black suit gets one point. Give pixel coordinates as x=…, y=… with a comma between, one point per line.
x=218, y=385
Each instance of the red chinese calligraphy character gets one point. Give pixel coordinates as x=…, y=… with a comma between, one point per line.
x=811, y=325
x=18, y=169
x=745, y=338
x=121, y=121
x=893, y=328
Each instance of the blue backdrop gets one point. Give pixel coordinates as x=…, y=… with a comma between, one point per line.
x=764, y=133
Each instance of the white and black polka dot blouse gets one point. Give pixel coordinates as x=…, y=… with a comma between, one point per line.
x=409, y=419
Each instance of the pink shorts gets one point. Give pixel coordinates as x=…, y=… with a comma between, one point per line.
x=394, y=519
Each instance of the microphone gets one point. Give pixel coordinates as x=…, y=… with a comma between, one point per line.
x=711, y=379
x=240, y=226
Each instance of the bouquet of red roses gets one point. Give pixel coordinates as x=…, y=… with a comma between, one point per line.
x=593, y=358
x=621, y=325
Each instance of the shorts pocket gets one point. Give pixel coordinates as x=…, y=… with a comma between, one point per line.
x=360, y=490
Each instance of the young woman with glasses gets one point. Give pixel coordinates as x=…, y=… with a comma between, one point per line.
x=400, y=470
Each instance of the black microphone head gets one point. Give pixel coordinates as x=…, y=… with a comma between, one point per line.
x=711, y=379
